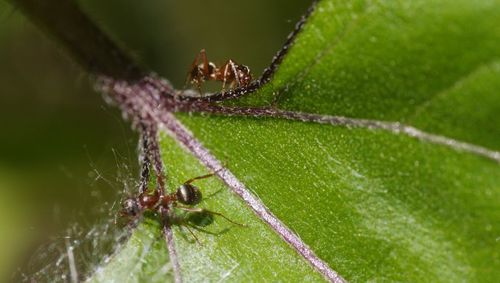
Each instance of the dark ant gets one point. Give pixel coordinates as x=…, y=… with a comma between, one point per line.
x=231, y=72
x=186, y=193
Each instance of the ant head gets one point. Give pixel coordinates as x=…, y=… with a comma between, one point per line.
x=130, y=207
x=244, y=74
x=188, y=194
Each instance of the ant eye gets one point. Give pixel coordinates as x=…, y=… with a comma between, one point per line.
x=130, y=207
x=188, y=194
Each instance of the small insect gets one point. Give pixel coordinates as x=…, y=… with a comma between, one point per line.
x=186, y=194
x=230, y=73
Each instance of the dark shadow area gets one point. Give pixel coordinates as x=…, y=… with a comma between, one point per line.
x=67, y=158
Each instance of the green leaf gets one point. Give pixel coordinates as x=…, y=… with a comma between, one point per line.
x=372, y=204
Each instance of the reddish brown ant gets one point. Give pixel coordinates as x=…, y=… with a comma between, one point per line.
x=230, y=73
x=186, y=194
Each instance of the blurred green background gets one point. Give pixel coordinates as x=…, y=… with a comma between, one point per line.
x=66, y=158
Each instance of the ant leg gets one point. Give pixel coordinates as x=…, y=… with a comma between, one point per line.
x=202, y=210
x=203, y=56
x=194, y=75
x=198, y=87
x=198, y=178
x=192, y=234
x=235, y=72
x=232, y=85
x=205, y=69
x=194, y=65
x=204, y=176
x=182, y=223
x=132, y=221
x=206, y=231
x=224, y=76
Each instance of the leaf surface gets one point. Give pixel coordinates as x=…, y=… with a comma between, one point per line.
x=373, y=204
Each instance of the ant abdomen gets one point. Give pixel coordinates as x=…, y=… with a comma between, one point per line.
x=188, y=194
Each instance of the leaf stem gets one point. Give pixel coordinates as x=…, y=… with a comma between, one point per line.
x=89, y=45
